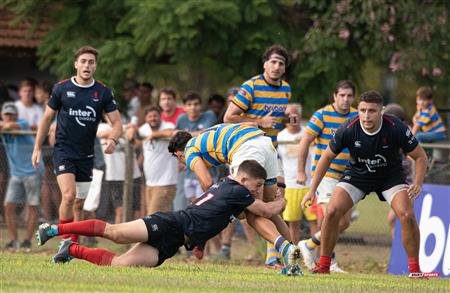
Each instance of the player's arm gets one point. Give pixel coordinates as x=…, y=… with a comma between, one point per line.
x=116, y=132
x=321, y=169
x=303, y=151
x=420, y=158
x=42, y=132
x=267, y=209
x=202, y=173
x=234, y=115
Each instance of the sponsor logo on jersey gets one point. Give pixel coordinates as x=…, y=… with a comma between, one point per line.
x=242, y=92
x=274, y=108
x=154, y=227
x=357, y=144
x=70, y=94
x=371, y=164
x=82, y=116
x=61, y=167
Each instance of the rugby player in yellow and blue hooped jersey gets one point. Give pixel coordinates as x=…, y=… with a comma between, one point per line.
x=428, y=125
x=230, y=144
x=263, y=100
x=321, y=128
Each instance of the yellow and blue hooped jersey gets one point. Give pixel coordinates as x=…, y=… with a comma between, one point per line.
x=216, y=145
x=322, y=125
x=429, y=120
x=257, y=98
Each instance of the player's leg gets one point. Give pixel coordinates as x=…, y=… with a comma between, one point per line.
x=267, y=229
x=140, y=254
x=292, y=214
x=66, y=183
x=340, y=203
x=123, y=233
x=403, y=208
x=14, y=195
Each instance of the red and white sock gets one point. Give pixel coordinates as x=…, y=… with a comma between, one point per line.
x=324, y=263
x=98, y=256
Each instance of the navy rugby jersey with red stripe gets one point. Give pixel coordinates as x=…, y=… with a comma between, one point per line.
x=375, y=155
x=80, y=110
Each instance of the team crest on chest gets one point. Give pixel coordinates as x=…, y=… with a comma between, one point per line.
x=95, y=96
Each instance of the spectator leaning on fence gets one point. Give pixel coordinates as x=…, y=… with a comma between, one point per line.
x=79, y=103
x=428, y=125
x=24, y=184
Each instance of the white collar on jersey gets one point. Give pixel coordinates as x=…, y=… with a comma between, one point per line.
x=74, y=81
x=371, y=133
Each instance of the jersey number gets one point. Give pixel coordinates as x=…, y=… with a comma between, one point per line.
x=205, y=199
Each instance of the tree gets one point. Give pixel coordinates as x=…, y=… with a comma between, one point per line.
x=209, y=45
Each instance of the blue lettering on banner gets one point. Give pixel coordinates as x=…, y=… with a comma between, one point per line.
x=432, y=213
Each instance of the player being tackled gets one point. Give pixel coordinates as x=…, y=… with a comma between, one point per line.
x=160, y=235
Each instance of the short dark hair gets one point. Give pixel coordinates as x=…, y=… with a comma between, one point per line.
x=192, y=96
x=396, y=110
x=147, y=85
x=178, y=142
x=253, y=169
x=425, y=93
x=277, y=49
x=372, y=97
x=151, y=108
x=344, y=84
x=84, y=50
x=26, y=83
x=216, y=98
x=45, y=85
x=167, y=91
x=130, y=84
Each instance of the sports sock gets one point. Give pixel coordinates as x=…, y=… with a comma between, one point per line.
x=282, y=245
x=313, y=242
x=225, y=249
x=65, y=221
x=91, y=227
x=272, y=254
x=413, y=264
x=98, y=256
x=324, y=263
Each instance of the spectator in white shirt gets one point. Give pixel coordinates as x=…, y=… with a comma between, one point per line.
x=28, y=110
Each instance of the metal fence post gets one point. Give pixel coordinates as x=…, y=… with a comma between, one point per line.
x=128, y=184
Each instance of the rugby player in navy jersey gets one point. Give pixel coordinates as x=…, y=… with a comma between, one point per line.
x=160, y=235
x=374, y=141
x=78, y=103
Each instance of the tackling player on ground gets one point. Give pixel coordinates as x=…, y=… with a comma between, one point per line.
x=374, y=141
x=160, y=235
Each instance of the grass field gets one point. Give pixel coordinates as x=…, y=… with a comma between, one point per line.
x=34, y=273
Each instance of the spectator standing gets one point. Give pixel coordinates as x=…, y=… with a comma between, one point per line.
x=167, y=101
x=25, y=181
x=114, y=177
x=160, y=167
x=193, y=121
x=28, y=110
x=131, y=98
x=145, y=99
x=216, y=105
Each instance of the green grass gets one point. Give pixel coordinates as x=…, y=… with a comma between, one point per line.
x=26, y=273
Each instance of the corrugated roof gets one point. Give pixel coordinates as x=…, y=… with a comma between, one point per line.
x=20, y=35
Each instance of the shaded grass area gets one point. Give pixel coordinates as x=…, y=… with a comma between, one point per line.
x=24, y=273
